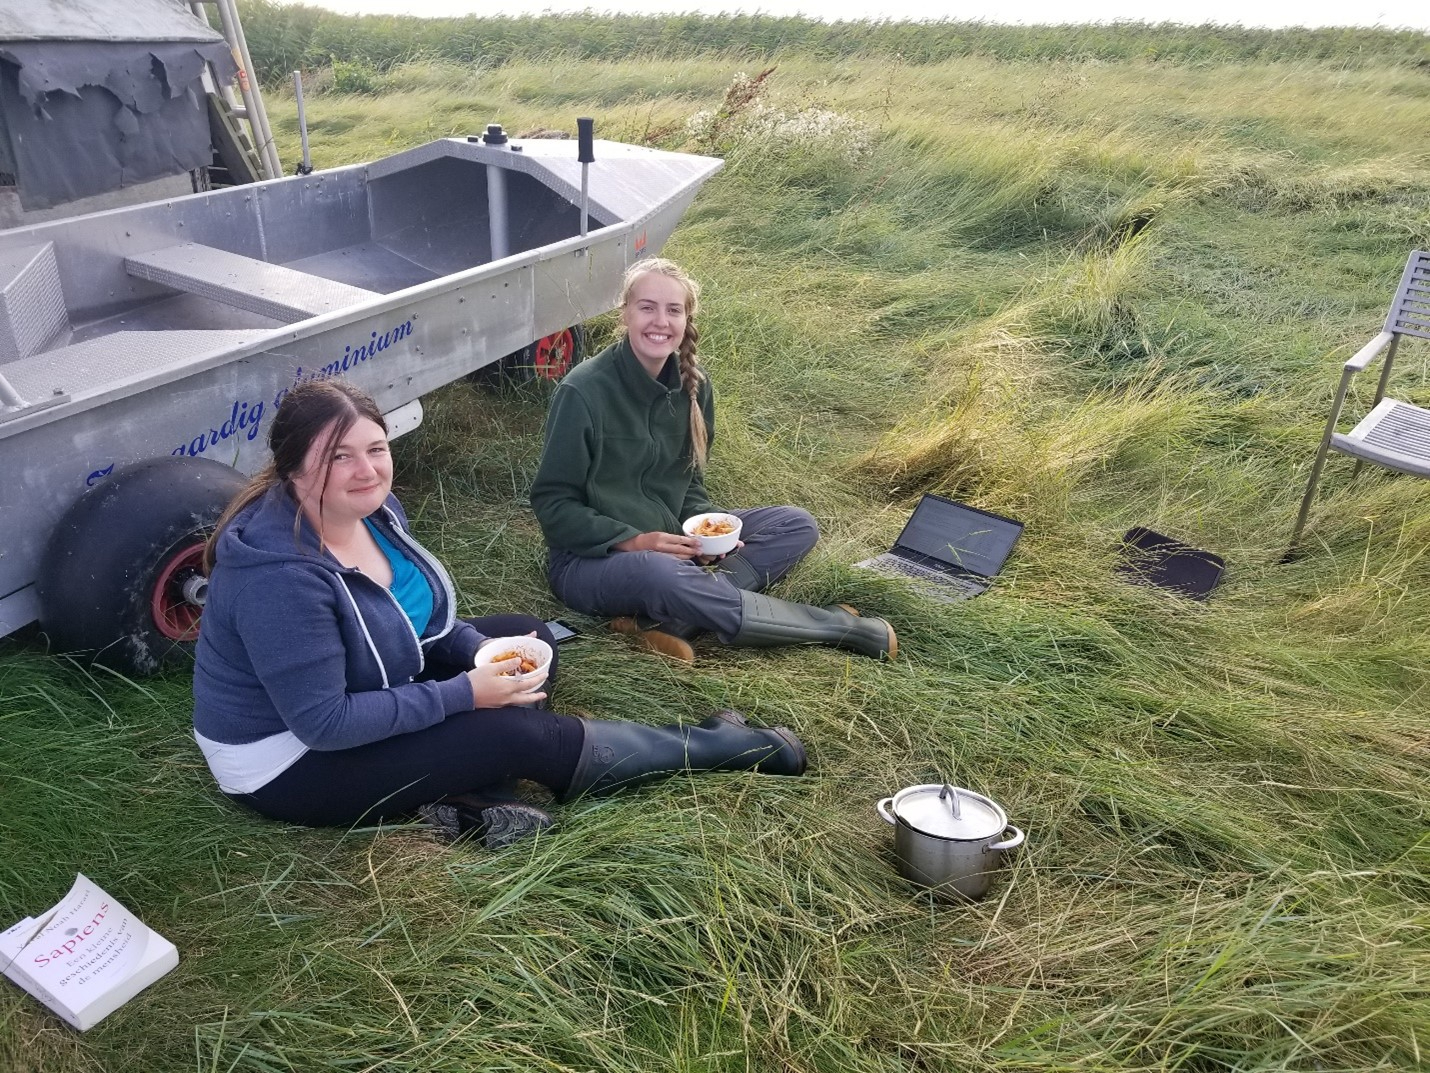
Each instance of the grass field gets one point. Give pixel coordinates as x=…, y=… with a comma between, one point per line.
x=1090, y=295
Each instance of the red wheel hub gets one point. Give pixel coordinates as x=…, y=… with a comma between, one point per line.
x=554, y=354
x=174, y=615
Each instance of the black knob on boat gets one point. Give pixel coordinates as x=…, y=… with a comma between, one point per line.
x=585, y=135
x=494, y=135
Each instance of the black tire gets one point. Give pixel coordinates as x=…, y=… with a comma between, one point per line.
x=549, y=358
x=111, y=580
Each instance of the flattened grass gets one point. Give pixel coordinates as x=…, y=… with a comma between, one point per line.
x=1087, y=295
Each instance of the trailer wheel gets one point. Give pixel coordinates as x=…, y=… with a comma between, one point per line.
x=552, y=358
x=549, y=358
x=122, y=577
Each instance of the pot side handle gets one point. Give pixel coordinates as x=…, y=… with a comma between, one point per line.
x=885, y=810
x=1012, y=843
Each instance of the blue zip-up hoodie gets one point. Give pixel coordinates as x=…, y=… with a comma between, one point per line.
x=293, y=640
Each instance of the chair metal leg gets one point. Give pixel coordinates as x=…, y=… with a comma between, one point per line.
x=1320, y=462
x=1307, y=498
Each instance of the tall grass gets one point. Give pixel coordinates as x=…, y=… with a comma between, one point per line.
x=289, y=36
x=1087, y=295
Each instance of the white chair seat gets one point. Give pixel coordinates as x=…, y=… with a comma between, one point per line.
x=1394, y=434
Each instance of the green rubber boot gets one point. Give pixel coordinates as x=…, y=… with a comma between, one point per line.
x=768, y=621
x=741, y=574
x=615, y=755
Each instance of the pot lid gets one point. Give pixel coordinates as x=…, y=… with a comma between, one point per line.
x=949, y=812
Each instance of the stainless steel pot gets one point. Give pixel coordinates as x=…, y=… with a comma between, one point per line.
x=948, y=838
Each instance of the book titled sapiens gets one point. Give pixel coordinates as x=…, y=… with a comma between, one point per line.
x=86, y=957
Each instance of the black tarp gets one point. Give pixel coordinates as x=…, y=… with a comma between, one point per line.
x=79, y=118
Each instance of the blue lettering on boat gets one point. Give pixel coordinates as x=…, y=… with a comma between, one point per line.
x=243, y=417
x=353, y=356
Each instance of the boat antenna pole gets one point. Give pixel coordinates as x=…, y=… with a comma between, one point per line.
x=495, y=138
x=305, y=168
x=586, y=154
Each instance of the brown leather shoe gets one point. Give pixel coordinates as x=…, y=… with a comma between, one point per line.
x=655, y=640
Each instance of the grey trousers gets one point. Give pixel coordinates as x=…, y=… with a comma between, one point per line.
x=680, y=592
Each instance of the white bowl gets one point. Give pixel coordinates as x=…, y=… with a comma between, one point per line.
x=714, y=545
x=533, y=648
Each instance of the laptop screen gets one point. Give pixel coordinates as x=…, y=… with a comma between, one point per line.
x=961, y=536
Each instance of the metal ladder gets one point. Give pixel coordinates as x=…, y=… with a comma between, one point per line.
x=251, y=108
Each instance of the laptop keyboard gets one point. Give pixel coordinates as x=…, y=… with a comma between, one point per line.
x=937, y=583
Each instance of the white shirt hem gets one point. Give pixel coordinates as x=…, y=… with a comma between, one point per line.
x=242, y=769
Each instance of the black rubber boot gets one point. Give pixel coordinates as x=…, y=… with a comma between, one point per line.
x=615, y=755
x=768, y=621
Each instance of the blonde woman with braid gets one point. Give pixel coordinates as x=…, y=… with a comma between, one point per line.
x=627, y=440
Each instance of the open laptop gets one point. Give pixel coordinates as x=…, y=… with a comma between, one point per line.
x=951, y=551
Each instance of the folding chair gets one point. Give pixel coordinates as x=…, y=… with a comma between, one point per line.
x=1394, y=434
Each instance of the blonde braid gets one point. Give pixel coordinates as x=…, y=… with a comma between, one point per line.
x=691, y=377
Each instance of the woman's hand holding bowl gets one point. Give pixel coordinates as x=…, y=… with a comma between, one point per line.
x=682, y=547
x=702, y=548
x=706, y=560
x=493, y=686
x=509, y=671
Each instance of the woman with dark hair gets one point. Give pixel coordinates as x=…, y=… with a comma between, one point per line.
x=627, y=439
x=335, y=683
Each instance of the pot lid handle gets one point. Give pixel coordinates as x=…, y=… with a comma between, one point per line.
x=950, y=794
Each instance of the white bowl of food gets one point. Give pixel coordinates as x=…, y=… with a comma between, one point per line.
x=533, y=652
x=718, y=532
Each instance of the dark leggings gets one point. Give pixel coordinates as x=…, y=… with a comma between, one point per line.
x=465, y=752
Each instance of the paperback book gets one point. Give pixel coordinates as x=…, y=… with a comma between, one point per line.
x=85, y=957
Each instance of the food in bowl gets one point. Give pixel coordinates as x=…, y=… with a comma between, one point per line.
x=534, y=655
x=713, y=526
x=526, y=666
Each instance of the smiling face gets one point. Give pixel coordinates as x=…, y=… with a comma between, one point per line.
x=347, y=481
x=655, y=315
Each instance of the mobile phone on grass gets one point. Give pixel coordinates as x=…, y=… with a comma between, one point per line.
x=561, y=631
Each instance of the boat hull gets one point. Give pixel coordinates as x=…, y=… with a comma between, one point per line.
x=148, y=369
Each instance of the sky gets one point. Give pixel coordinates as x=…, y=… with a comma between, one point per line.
x=1413, y=14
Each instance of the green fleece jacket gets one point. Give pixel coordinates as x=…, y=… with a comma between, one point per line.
x=617, y=457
